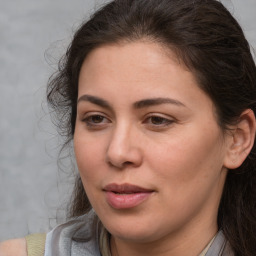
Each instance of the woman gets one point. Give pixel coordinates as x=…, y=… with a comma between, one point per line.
x=159, y=99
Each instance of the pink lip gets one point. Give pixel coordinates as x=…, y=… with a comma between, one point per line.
x=125, y=196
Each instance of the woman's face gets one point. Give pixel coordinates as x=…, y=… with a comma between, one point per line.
x=148, y=147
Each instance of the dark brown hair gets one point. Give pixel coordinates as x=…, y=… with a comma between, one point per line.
x=210, y=42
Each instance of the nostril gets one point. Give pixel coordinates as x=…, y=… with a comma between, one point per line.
x=127, y=163
x=121, y=165
x=122, y=155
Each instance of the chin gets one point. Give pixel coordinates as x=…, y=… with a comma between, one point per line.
x=141, y=233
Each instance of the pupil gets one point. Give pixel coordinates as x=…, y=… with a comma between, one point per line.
x=157, y=120
x=97, y=119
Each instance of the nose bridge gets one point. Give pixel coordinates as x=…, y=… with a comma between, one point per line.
x=123, y=148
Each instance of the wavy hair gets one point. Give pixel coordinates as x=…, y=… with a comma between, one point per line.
x=211, y=43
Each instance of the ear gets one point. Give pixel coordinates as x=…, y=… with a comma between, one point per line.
x=241, y=141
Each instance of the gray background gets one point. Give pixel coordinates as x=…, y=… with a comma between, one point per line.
x=33, y=35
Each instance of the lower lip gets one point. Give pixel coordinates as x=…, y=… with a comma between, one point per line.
x=126, y=201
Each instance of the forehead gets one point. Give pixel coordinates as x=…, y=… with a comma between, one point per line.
x=125, y=74
x=148, y=49
x=133, y=62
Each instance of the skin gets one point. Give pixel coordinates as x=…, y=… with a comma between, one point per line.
x=13, y=247
x=175, y=149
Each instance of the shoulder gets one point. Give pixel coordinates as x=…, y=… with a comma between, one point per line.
x=14, y=247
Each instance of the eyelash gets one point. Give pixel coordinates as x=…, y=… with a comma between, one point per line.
x=164, y=122
x=161, y=122
x=88, y=120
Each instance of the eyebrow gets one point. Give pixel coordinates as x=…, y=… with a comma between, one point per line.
x=137, y=105
x=156, y=101
x=95, y=100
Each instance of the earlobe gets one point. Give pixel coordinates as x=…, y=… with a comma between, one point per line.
x=241, y=141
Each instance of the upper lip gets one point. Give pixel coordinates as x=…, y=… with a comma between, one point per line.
x=125, y=188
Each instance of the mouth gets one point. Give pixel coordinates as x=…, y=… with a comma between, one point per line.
x=126, y=195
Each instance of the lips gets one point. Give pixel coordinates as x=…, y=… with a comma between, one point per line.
x=126, y=195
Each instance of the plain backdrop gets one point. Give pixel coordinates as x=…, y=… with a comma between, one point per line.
x=33, y=36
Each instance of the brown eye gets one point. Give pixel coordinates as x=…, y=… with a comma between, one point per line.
x=157, y=120
x=96, y=119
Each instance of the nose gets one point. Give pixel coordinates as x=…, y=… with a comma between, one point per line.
x=124, y=149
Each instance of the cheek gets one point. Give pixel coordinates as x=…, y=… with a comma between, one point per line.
x=189, y=173
x=89, y=158
x=187, y=159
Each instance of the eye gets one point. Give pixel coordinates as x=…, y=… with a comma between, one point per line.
x=158, y=121
x=95, y=120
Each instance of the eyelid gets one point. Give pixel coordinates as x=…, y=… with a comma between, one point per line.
x=90, y=123
x=168, y=120
x=161, y=115
x=93, y=113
